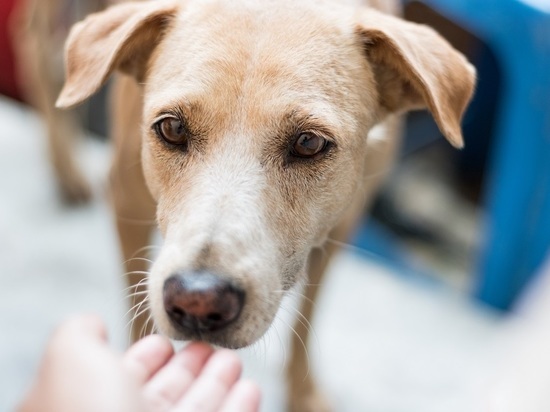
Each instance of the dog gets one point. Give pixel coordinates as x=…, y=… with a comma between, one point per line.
x=254, y=133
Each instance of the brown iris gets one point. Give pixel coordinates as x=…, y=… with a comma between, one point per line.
x=308, y=145
x=172, y=130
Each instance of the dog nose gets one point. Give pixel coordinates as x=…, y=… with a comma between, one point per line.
x=201, y=301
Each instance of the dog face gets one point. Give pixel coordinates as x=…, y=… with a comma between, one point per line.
x=255, y=125
x=267, y=160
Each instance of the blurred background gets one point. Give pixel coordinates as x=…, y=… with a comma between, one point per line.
x=433, y=305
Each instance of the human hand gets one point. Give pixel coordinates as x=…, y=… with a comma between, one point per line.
x=79, y=372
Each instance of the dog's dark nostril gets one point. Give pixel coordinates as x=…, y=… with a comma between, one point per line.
x=215, y=317
x=178, y=312
x=201, y=301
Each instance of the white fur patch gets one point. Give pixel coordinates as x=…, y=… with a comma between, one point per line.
x=223, y=212
x=377, y=134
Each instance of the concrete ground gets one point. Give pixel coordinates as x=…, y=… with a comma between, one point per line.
x=384, y=342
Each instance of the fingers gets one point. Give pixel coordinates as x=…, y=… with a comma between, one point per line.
x=146, y=357
x=245, y=396
x=168, y=386
x=196, y=378
x=214, y=383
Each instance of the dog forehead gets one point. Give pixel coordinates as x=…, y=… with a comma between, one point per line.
x=223, y=47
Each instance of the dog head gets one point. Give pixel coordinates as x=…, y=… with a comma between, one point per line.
x=255, y=125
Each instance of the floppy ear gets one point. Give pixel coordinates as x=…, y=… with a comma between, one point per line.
x=416, y=68
x=121, y=37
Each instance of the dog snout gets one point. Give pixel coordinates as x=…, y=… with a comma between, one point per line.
x=201, y=301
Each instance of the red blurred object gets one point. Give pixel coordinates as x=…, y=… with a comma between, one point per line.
x=8, y=83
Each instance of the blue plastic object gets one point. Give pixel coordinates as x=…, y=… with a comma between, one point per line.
x=517, y=228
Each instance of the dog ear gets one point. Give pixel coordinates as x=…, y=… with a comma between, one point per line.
x=121, y=37
x=416, y=68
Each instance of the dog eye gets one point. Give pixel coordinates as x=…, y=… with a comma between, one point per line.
x=308, y=145
x=172, y=130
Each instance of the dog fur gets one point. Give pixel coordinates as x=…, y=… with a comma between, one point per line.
x=246, y=77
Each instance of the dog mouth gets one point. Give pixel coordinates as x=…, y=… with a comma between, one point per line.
x=217, y=291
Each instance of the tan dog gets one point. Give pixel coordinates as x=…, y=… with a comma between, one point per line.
x=263, y=128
